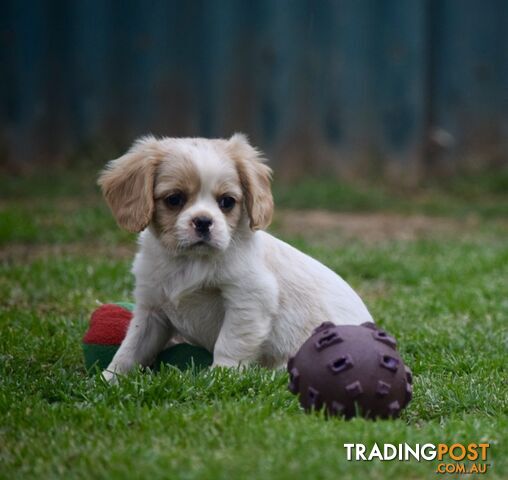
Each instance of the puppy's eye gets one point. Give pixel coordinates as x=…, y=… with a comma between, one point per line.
x=226, y=203
x=175, y=200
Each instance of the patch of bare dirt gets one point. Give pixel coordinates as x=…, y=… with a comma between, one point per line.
x=27, y=253
x=322, y=225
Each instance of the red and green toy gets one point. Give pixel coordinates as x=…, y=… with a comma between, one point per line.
x=108, y=326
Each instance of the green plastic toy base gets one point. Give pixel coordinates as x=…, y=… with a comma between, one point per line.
x=182, y=356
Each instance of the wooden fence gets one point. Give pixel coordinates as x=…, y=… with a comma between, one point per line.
x=401, y=88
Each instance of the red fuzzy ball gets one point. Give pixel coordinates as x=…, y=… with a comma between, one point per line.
x=108, y=325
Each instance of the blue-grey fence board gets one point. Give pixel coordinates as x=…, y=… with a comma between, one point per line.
x=469, y=77
x=321, y=85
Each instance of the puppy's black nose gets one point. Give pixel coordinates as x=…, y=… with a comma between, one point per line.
x=202, y=224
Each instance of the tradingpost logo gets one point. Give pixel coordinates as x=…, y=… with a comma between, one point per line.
x=452, y=458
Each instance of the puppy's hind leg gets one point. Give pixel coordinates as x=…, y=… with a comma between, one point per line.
x=148, y=332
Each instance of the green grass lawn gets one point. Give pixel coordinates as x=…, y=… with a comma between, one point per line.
x=443, y=295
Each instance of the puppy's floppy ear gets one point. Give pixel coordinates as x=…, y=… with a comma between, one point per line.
x=255, y=179
x=127, y=184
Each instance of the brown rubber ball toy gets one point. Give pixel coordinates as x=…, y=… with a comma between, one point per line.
x=350, y=370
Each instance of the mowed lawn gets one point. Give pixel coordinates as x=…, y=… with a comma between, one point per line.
x=431, y=265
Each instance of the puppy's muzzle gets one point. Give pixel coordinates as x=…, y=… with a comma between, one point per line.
x=202, y=225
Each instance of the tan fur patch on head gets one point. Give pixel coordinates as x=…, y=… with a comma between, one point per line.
x=177, y=175
x=255, y=179
x=127, y=184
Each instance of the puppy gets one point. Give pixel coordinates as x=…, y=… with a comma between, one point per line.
x=205, y=268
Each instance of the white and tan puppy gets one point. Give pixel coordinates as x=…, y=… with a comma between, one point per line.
x=205, y=268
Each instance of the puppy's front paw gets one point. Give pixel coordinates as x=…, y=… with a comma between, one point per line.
x=110, y=377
